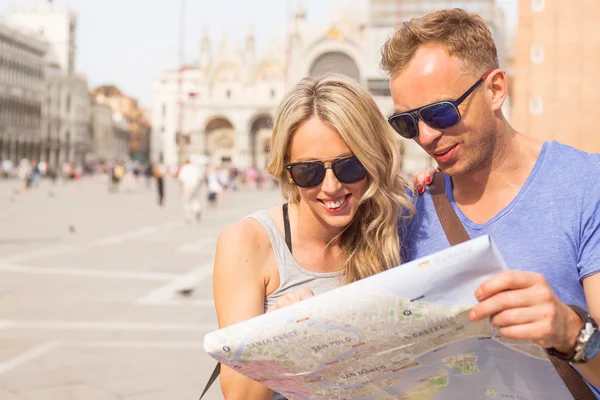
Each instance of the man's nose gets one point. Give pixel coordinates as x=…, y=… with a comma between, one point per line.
x=427, y=135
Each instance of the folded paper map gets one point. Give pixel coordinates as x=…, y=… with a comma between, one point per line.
x=401, y=334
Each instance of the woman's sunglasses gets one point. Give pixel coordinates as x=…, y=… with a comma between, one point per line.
x=439, y=116
x=308, y=174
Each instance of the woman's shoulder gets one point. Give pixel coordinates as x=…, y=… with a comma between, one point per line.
x=244, y=249
x=250, y=232
x=243, y=232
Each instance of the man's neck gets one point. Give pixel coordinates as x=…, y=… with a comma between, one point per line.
x=493, y=186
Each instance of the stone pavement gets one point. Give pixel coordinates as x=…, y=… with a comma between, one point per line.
x=89, y=291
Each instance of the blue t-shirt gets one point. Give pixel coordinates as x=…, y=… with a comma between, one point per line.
x=551, y=227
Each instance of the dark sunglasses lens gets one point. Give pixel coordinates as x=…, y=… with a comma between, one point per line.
x=349, y=170
x=405, y=125
x=440, y=116
x=308, y=174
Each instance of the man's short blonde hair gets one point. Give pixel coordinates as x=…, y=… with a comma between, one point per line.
x=464, y=35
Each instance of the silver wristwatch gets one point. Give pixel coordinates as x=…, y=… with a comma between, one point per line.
x=587, y=345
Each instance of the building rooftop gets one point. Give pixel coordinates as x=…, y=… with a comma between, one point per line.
x=25, y=39
x=42, y=8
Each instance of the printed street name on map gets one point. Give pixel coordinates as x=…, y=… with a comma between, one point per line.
x=275, y=339
x=331, y=343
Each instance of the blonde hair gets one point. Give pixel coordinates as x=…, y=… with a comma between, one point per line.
x=370, y=242
x=465, y=36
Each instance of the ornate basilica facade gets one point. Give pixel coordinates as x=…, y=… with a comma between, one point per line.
x=220, y=109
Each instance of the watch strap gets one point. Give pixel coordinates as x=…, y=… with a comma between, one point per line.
x=572, y=357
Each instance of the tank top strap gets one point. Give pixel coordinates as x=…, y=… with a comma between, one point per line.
x=280, y=247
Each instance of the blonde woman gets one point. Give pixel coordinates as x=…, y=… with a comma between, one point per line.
x=337, y=162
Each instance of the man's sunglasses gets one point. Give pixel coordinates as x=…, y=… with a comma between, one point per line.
x=439, y=116
x=308, y=174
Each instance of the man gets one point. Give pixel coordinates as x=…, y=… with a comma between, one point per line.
x=160, y=171
x=190, y=178
x=538, y=200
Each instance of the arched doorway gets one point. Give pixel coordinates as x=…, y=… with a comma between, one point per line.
x=335, y=61
x=219, y=137
x=260, y=140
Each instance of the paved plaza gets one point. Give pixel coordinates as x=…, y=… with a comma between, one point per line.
x=90, y=301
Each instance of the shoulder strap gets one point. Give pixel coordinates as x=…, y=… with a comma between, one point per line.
x=212, y=379
x=286, y=227
x=453, y=228
x=456, y=233
x=574, y=382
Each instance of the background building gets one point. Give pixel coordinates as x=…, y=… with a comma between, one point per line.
x=66, y=117
x=556, y=85
x=120, y=135
x=56, y=23
x=80, y=117
x=222, y=106
x=138, y=127
x=66, y=113
x=21, y=94
x=103, y=141
x=110, y=135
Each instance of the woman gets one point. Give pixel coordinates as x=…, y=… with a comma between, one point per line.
x=337, y=162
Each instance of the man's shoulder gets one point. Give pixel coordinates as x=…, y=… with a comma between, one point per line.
x=563, y=156
x=573, y=170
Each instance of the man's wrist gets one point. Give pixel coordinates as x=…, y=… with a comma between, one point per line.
x=574, y=323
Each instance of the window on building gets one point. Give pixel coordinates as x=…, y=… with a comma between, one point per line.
x=536, y=54
x=228, y=94
x=536, y=105
x=273, y=93
x=164, y=110
x=379, y=87
x=538, y=5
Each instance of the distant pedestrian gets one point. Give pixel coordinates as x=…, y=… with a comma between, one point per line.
x=214, y=186
x=25, y=173
x=116, y=174
x=148, y=173
x=160, y=171
x=190, y=177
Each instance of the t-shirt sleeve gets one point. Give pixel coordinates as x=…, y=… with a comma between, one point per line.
x=589, y=248
x=406, y=225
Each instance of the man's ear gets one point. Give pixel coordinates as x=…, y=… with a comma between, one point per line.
x=498, y=87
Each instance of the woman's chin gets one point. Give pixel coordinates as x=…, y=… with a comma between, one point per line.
x=337, y=218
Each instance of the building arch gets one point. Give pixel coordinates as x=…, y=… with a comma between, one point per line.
x=269, y=71
x=261, y=130
x=226, y=72
x=332, y=48
x=335, y=61
x=220, y=140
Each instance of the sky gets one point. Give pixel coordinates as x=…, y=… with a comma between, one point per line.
x=127, y=43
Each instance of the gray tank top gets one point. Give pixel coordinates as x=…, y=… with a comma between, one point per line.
x=291, y=275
